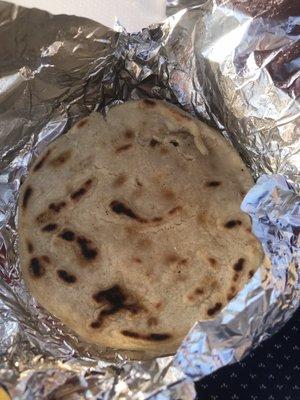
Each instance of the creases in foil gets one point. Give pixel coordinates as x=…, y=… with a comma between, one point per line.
x=237, y=71
x=252, y=316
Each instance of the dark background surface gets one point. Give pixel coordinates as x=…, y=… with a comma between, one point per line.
x=270, y=372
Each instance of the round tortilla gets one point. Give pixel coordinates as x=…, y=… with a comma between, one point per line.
x=131, y=230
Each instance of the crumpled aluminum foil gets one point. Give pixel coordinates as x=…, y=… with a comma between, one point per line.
x=239, y=73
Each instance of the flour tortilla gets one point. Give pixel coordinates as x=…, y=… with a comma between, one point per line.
x=131, y=229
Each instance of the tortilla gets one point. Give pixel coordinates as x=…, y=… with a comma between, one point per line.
x=131, y=230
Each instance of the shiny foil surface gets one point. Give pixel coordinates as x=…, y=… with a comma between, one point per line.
x=226, y=63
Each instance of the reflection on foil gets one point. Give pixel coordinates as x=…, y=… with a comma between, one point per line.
x=237, y=72
x=275, y=211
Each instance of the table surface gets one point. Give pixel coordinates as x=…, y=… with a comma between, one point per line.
x=272, y=371
x=133, y=14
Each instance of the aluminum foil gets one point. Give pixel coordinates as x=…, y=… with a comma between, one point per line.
x=225, y=63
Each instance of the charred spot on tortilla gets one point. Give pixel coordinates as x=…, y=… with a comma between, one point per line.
x=239, y=265
x=251, y=273
x=56, y=207
x=87, y=250
x=36, y=269
x=82, y=190
x=26, y=196
x=42, y=161
x=213, y=183
x=154, y=142
x=115, y=300
x=152, y=336
x=232, y=223
x=29, y=246
x=49, y=228
x=43, y=217
x=61, y=158
x=113, y=295
x=65, y=276
x=120, y=208
x=104, y=315
x=78, y=193
x=159, y=336
x=213, y=310
x=68, y=235
x=157, y=219
x=95, y=324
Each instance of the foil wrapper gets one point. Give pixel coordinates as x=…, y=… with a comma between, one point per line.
x=226, y=63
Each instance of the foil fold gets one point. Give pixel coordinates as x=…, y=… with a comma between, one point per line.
x=225, y=64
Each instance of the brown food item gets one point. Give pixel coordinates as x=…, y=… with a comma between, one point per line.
x=128, y=245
